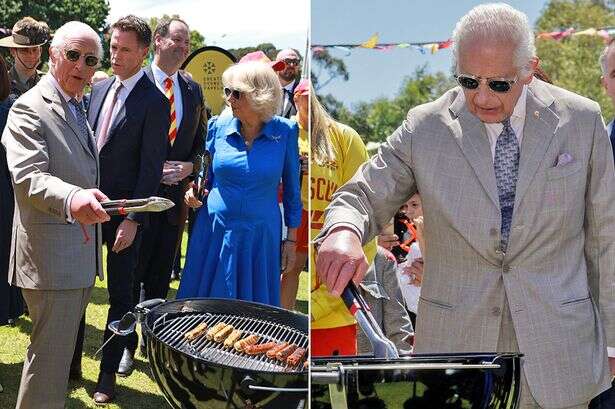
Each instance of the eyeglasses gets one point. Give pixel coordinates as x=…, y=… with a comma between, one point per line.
x=291, y=61
x=229, y=92
x=500, y=85
x=74, y=55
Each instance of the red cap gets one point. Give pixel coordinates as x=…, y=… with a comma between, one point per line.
x=303, y=88
x=261, y=56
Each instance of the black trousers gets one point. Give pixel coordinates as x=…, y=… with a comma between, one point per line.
x=120, y=283
x=156, y=257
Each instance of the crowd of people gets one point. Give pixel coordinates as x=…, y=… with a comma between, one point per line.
x=75, y=137
x=485, y=222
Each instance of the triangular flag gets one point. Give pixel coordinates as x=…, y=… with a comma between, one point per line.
x=371, y=42
x=588, y=32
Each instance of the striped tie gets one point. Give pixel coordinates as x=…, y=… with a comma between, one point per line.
x=168, y=91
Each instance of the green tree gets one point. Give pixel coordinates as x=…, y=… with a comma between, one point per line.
x=323, y=64
x=55, y=12
x=269, y=49
x=573, y=62
x=196, y=39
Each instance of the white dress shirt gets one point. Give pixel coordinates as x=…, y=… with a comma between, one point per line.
x=160, y=76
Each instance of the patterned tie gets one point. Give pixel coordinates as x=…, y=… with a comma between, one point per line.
x=168, y=91
x=82, y=121
x=506, y=166
x=106, y=123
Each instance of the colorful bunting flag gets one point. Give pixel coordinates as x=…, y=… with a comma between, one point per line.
x=371, y=42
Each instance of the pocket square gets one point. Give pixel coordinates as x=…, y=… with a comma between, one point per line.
x=563, y=160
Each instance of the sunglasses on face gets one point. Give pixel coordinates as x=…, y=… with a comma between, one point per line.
x=291, y=61
x=74, y=55
x=229, y=92
x=500, y=85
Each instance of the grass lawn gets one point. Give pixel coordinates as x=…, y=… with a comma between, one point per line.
x=135, y=392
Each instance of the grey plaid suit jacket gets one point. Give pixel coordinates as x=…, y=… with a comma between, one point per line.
x=48, y=160
x=562, y=240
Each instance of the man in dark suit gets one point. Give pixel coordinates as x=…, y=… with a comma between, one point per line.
x=184, y=142
x=607, y=65
x=131, y=121
x=289, y=79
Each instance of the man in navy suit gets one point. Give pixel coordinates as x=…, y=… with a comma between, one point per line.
x=131, y=122
x=184, y=142
x=607, y=64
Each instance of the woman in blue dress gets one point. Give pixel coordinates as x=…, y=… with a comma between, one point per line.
x=236, y=249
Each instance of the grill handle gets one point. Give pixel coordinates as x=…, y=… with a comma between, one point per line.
x=358, y=307
x=248, y=383
x=144, y=307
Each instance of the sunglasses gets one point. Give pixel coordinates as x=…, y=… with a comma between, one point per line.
x=229, y=92
x=500, y=85
x=74, y=55
x=291, y=61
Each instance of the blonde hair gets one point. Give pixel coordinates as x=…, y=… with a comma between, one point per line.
x=320, y=121
x=260, y=85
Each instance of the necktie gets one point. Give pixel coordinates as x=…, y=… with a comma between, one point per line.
x=82, y=121
x=506, y=166
x=168, y=91
x=104, y=126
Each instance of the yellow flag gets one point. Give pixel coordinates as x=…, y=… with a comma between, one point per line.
x=371, y=42
x=588, y=32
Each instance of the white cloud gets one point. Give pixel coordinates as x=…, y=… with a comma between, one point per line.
x=230, y=23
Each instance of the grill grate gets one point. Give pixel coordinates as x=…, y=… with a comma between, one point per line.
x=171, y=332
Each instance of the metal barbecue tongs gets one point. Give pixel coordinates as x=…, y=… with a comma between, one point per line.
x=124, y=206
x=382, y=346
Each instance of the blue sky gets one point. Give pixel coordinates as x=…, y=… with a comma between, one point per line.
x=230, y=23
x=380, y=73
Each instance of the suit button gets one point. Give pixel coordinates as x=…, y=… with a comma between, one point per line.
x=496, y=311
x=493, y=232
x=506, y=268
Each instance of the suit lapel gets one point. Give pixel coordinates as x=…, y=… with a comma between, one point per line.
x=540, y=125
x=60, y=107
x=187, y=109
x=470, y=135
x=98, y=96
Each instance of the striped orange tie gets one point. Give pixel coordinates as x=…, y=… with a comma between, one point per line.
x=168, y=91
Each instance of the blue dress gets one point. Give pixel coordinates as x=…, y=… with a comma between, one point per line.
x=235, y=244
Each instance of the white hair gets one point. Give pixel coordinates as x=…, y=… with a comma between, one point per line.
x=496, y=22
x=259, y=83
x=72, y=29
x=603, y=58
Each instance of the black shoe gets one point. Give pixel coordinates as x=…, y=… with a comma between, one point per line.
x=126, y=364
x=105, y=388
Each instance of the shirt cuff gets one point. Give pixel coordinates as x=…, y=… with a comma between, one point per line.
x=69, y=216
x=611, y=352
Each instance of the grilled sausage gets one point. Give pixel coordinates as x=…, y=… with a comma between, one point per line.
x=215, y=329
x=259, y=349
x=273, y=351
x=249, y=340
x=283, y=354
x=196, y=332
x=223, y=333
x=231, y=339
x=295, y=357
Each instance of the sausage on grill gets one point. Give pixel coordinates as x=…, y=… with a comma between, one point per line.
x=295, y=357
x=273, y=351
x=249, y=340
x=214, y=330
x=283, y=354
x=223, y=333
x=231, y=339
x=259, y=349
x=196, y=332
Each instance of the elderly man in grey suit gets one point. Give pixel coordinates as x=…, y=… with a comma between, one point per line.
x=518, y=190
x=53, y=163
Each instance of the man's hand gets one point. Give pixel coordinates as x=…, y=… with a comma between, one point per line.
x=341, y=259
x=388, y=241
x=85, y=206
x=175, y=171
x=125, y=235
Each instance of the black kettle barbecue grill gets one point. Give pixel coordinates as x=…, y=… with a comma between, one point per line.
x=429, y=381
x=202, y=373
